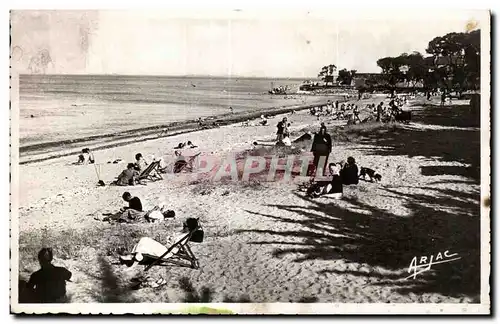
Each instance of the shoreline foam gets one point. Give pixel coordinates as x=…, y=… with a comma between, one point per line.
x=51, y=150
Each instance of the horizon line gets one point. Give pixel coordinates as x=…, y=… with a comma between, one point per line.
x=181, y=75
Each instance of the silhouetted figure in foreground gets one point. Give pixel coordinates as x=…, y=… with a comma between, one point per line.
x=48, y=285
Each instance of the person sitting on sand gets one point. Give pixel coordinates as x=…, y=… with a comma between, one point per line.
x=349, y=172
x=131, y=213
x=81, y=159
x=86, y=155
x=180, y=162
x=128, y=177
x=332, y=187
x=147, y=248
x=48, y=285
x=140, y=163
x=89, y=154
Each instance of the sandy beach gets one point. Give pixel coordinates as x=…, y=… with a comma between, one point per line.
x=266, y=241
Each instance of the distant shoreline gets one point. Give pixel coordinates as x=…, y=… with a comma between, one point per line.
x=170, y=76
x=51, y=150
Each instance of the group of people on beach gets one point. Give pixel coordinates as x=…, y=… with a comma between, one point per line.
x=48, y=284
x=339, y=111
x=134, y=212
x=340, y=173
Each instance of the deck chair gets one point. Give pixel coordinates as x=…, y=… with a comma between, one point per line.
x=183, y=165
x=152, y=172
x=179, y=253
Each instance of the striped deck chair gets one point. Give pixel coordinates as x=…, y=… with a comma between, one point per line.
x=180, y=252
x=185, y=166
x=152, y=172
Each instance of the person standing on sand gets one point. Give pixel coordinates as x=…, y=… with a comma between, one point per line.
x=356, y=114
x=379, y=111
x=48, y=284
x=282, y=129
x=321, y=148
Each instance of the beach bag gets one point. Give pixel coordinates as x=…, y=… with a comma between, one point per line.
x=198, y=234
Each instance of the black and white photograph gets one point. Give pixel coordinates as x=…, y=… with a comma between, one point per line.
x=235, y=161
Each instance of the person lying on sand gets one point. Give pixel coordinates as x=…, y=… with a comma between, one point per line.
x=187, y=144
x=147, y=248
x=48, y=285
x=349, y=172
x=159, y=214
x=128, y=177
x=332, y=188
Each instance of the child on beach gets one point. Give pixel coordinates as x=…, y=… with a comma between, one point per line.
x=48, y=285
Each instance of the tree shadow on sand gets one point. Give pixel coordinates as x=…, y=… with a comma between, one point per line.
x=112, y=290
x=206, y=295
x=447, y=115
x=381, y=239
x=446, y=145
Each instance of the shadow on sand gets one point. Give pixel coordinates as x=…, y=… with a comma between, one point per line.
x=457, y=144
x=447, y=115
x=111, y=289
x=440, y=219
x=381, y=239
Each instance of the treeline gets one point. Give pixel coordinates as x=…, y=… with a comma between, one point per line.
x=345, y=77
x=453, y=64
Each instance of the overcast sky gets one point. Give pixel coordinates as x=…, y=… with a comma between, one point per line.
x=243, y=43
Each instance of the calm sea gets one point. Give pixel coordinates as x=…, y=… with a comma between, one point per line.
x=61, y=107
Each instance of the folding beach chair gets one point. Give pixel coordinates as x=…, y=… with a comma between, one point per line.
x=152, y=172
x=186, y=166
x=180, y=252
